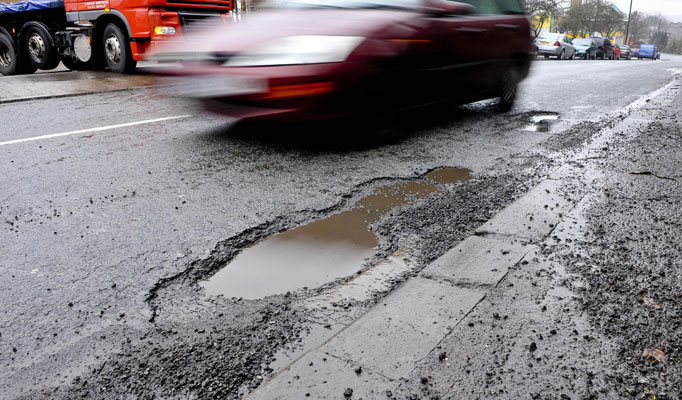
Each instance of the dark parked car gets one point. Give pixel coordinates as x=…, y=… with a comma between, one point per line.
x=585, y=48
x=329, y=58
x=625, y=51
x=604, y=48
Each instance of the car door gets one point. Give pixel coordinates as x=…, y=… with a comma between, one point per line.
x=462, y=46
x=473, y=42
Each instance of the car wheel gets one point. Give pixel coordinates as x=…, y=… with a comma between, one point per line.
x=546, y=57
x=39, y=48
x=510, y=86
x=561, y=55
x=572, y=56
x=117, y=51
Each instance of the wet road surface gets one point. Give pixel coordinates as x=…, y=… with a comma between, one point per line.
x=117, y=204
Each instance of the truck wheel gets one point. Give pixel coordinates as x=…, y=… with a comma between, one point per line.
x=9, y=59
x=117, y=51
x=39, y=48
x=77, y=65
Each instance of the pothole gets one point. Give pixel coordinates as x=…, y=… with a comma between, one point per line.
x=323, y=250
x=541, y=123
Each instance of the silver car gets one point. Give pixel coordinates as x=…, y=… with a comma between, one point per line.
x=555, y=45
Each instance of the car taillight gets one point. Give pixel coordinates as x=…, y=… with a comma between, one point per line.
x=556, y=44
x=603, y=47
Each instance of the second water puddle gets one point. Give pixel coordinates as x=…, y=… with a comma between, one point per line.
x=323, y=250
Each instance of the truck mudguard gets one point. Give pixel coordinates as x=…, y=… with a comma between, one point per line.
x=29, y=5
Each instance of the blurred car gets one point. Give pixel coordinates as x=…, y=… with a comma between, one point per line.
x=625, y=51
x=555, y=45
x=617, y=53
x=585, y=48
x=322, y=59
x=604, y=48
x=635, y=52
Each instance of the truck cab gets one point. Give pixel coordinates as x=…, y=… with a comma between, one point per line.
x=99, y=34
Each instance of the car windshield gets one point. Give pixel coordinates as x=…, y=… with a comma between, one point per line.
x=349, y=4
x=582, y=42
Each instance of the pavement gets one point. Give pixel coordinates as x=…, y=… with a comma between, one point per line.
x=390, y=352
x=123, y=201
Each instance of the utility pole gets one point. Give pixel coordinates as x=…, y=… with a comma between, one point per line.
x=627, y=30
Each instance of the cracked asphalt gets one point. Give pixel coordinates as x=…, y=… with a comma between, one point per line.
x=106, y=234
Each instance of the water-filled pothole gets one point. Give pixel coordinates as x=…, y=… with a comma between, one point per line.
x=323, y=250
x=541, y=123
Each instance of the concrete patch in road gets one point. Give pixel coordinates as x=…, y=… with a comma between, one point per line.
x=534, y=215
x=320, y=376
x=404, y=328
x=478, y=260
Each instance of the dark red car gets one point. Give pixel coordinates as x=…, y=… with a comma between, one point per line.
x=321, y=59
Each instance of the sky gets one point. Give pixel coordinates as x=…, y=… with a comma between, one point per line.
x=670, y=8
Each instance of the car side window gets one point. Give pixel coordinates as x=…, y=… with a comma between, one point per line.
x=485, y=7
x=510, y=7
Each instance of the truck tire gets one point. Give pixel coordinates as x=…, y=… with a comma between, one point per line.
x=117, y=51
x=9, y=59
x=39, y=49
x=76, y=65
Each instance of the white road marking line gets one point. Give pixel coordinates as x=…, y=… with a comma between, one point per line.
x=90, y=130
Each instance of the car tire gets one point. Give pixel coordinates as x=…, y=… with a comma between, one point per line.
x=561, y=55
x=117, y=52
x=510, y=85
x=572, y=57
x=39, y=49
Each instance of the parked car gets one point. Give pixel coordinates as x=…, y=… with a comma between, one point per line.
x=635, y=52
x=555, y=45
x=604, y=48
x=334, y=58
x=585, y=48
x=625, y=51
x=648, y=51
x=616, y=53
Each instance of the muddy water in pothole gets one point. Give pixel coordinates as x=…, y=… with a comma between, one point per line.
x=323, y=250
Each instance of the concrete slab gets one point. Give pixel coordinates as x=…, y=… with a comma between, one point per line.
x=320, y=376
x=478, y=260
x=534, y=215
x=405, y=327
x=361, y=288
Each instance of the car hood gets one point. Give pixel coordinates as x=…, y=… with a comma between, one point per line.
x=265, y=26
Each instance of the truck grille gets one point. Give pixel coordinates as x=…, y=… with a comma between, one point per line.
x=194, y=23
x=220, y=4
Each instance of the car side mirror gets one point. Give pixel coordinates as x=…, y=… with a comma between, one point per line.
x=442, y=8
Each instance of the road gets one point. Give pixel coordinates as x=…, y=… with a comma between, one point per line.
x=119, y=202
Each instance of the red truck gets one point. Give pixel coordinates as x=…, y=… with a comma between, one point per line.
x=97, y=34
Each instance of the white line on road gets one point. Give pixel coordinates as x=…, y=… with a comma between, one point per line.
x=90, y=130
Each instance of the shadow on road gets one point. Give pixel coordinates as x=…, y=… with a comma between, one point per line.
x=352, y=134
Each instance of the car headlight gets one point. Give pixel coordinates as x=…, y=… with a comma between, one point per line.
x=303, y=49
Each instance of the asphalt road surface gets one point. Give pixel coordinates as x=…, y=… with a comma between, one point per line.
x=118, y=203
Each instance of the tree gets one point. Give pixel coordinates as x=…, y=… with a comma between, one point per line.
x=540, y=12
x=610, y=20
